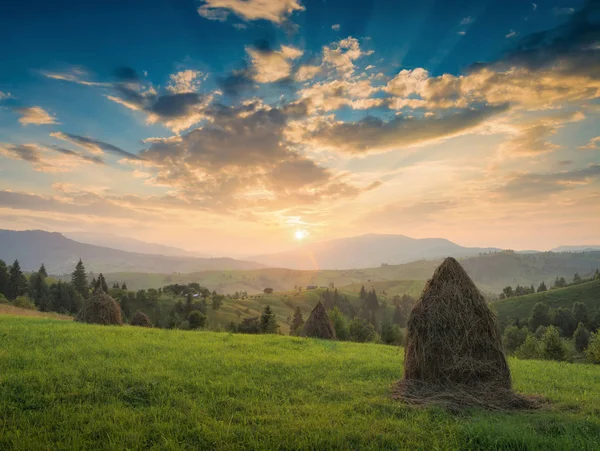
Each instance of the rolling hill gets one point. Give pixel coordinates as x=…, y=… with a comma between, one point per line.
x=367, y=251
x=60, y=255
x=520, y=307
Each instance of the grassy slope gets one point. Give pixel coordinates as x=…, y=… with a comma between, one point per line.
x=490, y=272
x=520, y=307
x=7, y=309
x=73, y=386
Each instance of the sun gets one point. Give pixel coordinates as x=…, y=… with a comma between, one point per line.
x=299, y=235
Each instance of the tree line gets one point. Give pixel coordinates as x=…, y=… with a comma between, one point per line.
x=559, y=282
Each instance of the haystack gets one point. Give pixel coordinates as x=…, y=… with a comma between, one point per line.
x=140, y=319
x=100, y=308
x=318, y=324
x=453, y=353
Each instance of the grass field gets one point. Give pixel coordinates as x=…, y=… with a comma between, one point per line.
x=520, y=307
x=65, y=385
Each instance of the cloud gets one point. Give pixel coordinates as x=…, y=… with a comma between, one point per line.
x=47, y=158
x=184, y=81
x=511, y=34
x=336, y=27
x=410, y=213
x=74, y=75
x=268, y=65
x=593, y=144
x=375, y=135
x=563, y=11
x=5, y=95
x=332, y=95
x=534, y=5
x=342, y=54
x=462, y=33
x=539, y=186
x=93, y=145
x=35, y=115
x=466, y=21
x=276, y=11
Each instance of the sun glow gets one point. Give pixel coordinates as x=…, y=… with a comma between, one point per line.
x=299, y=235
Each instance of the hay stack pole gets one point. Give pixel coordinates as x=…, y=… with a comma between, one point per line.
x=318, y=324
x=454, y=353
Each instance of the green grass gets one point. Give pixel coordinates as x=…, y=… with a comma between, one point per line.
x=65, y=385
x=520, y=307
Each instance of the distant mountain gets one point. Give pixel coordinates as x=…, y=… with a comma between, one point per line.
x=60, y=255
x=367, y=251
x=584, y=248
x=129, y=244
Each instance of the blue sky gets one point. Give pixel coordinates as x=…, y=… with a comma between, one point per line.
x=227, y=125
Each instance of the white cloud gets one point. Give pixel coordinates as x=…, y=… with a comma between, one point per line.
x=272, y=65
x=534, y=5
x=462, y=33
x=276, y=11
x=593, y=144
x=184, y=81
x=307, y=72
x=563, y=11
x=35, y=115
x=341, y=55
x=336, y=27
x=5, y=95
x=511, y=34
x=466, y=21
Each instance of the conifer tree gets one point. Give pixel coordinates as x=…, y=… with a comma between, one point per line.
x=542, y=287
x=363, y=293
x=79, y=279
x=4, y=278
x=268, y=323
x=42, y=271
x=297, y=322
x=17, y=283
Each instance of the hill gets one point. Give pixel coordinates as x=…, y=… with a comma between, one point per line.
x=133, y=388
x=584, y=248
x=366, y=251
x=490, y=272
x=60, y=255
x=520, y=307
x=129, y=244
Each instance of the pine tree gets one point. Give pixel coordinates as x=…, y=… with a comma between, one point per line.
x=79, y=279
x=123, y=286
x=363, y=293
x=576, y=279
x=399, y=317
x=542, y=287
x=42, y=271
x=297, y=322
x=101, y=284
x=372, y=303
x=189, y=304
x=17, y=283
x=581, y=337
x=540, y=316
x=580, y=313
x=4, y=278
x=39, y=291
x=268, y=323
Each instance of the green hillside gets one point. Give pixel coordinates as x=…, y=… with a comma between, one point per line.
x=490, y=272
x=74, y=386
x=520, y=307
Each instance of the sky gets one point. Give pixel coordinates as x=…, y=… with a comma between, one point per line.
x=239, y=127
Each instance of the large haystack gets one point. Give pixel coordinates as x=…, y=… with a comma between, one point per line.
x=100, y=308
x=453, y=351
x=140, y=319
x=318, y=324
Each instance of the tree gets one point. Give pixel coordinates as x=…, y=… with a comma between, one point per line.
x=530, y=349
x=391, y=334
x=553, y=347
x=268, y=323
x=196, y=320
x=124, y=286
x=372, y=303
x=514, y=337
x=361, y=330
x=563, y=319
x=17, y=283
x=363, y=293
x=79, y=279
x=540, y=316
x=580, y=313
x=399, y=317
x=508, y=292
x=39, y=291
x=542, y=287
x=268, y=290
x=560, y=282
x=217, y=301
x=43, y=271
x=101, y=284
x=597, y=274
x=576, y=279
x=593, y=350
x=189, y=304
x=297, y=322
x=64, y=298
x=581, y=337
x=4, y=278
x=340, y=324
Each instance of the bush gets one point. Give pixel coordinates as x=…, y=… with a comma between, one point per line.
x=514, y=337
x=593, y=350
x=581, y=337
x=391, y=334
x=3, y=300
x=196, y=320
x=553, y=347
x=24, y=302
x=361, y=330
x=530, y=349
x=340, y=324
x=539, y=332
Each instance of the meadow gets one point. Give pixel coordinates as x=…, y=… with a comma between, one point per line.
x=65, y=385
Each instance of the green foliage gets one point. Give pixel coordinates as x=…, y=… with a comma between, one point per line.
x=581, y=338
x=268, y=290
x=268, y=323
x=391, y=334
x=399, y=316
x=563, y=319
x=530, y=349
x=79, y=280
x=24, y=302
x=196, y=320
x=4, y=278
x=17, y=283
x=361, y=330
x=576, y=278
x=217, y=301
x=539, y=332
x=593, y=350
x=64, y=298
x=542, y=287
x=580, y=313
x=540, y=316
x=297, y=322
x=514, y=337
x=340, y=324
x=39, y=292
x=553, y=346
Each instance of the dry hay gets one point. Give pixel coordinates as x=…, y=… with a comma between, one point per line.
x=140, y=319
x=318, y=324
x=454, y=355
x=100, y=308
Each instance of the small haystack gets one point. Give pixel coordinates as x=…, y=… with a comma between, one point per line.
x=100, y=308
x=454, y=353
x=140, y=319
x=318, y=324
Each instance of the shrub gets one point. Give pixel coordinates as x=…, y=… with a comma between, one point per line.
x=3, y=300
x=361, y=330
x=593, y=350
x=530, y=349
x=24, y=302
x=391, y=334
x=196, y=320
x=514, y=337
x=581, y=337
x=540, y=316
x=340, y=323
x=539, y=332
x=553, y=347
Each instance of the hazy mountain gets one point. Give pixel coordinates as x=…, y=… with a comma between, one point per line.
x=584, y=248
x=60, y=254
x=367, y=251
x=129, y=244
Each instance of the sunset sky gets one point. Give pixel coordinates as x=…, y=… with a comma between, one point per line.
x=231, y=126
